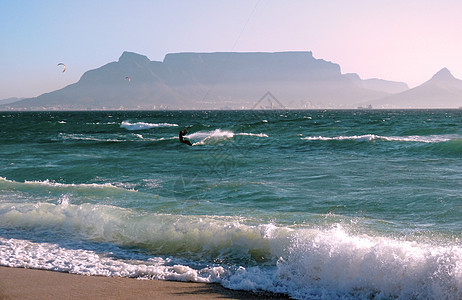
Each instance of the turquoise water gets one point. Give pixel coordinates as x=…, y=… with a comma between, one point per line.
x=313, y=204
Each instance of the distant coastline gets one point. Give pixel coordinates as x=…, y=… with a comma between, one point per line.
x=231, y=80
x=221, y=81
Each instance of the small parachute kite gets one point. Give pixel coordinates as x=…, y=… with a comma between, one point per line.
x=64, y=66
x=128, y=78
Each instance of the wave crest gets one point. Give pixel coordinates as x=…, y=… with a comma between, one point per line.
x=50, y=190
x=308, y=262
x=217, y=136
x=143, y=126
x=371, y=137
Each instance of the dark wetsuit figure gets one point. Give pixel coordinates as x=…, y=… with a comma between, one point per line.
x=182, y=140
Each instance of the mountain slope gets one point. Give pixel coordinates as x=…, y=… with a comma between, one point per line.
x=443, y=90
x=208, y=81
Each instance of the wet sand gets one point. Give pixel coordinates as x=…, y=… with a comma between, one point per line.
x=20, y=283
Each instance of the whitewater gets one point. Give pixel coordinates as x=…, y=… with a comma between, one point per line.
x=312, y=204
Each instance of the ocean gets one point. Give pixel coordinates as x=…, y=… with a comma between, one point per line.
x=315, y=204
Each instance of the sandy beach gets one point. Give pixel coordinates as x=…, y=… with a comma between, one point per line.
x=20, y=283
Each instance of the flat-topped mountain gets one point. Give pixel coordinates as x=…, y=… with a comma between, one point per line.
x=443, y=90
x=212, y=81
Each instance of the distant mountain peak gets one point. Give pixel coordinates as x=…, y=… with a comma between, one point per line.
x=131, y=57
x=443, y=74
x=443, y=90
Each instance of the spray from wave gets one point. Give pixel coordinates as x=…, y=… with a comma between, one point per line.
x=217, y=136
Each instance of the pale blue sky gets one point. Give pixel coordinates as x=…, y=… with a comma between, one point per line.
x=401, y=40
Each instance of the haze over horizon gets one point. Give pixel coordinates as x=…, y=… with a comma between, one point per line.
x=394, y=40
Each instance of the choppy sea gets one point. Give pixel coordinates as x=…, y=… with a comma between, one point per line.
x=352, y=204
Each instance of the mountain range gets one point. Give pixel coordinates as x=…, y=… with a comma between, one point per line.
x=443, y=90
x=230, y=80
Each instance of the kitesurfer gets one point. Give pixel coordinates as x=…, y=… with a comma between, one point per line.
x=182, y=140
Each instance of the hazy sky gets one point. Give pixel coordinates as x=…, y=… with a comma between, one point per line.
x=400, y=40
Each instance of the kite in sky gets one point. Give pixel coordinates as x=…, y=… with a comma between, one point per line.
x=61, y=64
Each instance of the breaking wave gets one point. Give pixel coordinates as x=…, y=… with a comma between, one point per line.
x=143, y=126
x=217, y=136
x=305, y=263
x=371, y=137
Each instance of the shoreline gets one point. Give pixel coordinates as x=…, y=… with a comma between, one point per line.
x=22, y=283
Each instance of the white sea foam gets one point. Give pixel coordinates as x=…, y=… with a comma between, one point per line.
x=371, y=137
x=208, y=137
x=142, y=125
x=253, y=134
x=421, y=139
x=48, y=256
x=49, y=186
x=338, y=264
x=58, y=184
x=85, y=137
x=217, y=135
x=101, y=123
x=306, y=263
x=366, y=137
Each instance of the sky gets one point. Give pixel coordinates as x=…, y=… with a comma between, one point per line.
x=398, y=40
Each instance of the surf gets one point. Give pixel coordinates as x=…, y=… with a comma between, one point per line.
x=216, y=136
x=144, y=126
x=48, y=191
x=303, y=262
x=372, y=137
